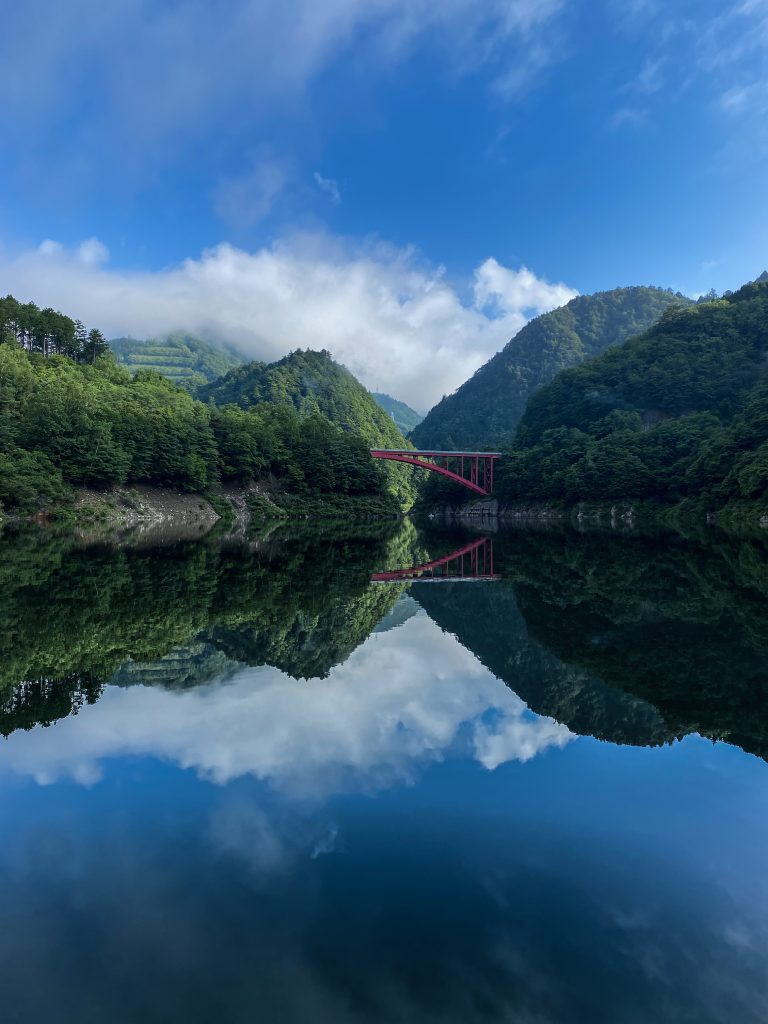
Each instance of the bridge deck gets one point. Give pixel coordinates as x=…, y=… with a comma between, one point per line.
x=417, y=451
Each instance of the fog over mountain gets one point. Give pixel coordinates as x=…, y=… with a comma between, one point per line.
x=391, y=317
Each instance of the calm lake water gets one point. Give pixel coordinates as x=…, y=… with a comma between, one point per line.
x=277, y=780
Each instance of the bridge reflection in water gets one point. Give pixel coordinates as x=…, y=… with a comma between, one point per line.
x=472, y=562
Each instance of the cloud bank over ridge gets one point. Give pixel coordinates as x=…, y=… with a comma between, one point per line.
x=395, y=321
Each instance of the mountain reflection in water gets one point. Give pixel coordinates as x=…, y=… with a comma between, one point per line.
x=635, y=640
x=250, y=783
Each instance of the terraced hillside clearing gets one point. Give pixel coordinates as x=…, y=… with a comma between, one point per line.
x=183, y=358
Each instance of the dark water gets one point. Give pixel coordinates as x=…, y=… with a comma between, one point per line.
x=242, y=782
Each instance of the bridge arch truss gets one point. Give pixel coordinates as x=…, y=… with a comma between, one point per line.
x=472, y=469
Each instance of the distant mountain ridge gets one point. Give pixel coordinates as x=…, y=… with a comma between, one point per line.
x=486, y=409
x=183, y=358
x=404, y=417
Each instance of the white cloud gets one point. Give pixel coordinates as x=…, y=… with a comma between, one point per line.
x=244, y=200
x=148, y=82
x=92, y=252
x=650, y=77
x=330, y=186
x=398, y=703
x=50, y=248
x=392, y=319
x=516, y=291
x=723, y=48
x=627, y=115
x=517, y=738
x=751, y=99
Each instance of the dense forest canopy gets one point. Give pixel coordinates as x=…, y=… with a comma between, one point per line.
x=83, y=420
x=312, y=383
x=679, y=412
x=48, y=332
x=486, y=409
x=182, y=358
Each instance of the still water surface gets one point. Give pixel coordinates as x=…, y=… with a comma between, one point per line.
x=240, y=781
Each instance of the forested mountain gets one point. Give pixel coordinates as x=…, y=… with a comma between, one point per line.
x=679, y=412
x=182, y=358
x=66, y=423
x=312, y=383
x=403, y=416
x=485, y=410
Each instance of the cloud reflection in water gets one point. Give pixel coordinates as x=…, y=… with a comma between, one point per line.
x=405, y=698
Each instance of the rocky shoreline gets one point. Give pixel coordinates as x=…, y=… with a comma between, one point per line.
x=164, y=512
x=489, y=514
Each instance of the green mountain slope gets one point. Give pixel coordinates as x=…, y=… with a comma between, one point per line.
x=313, y=383
x=182, y=358
x=67, y=423
x=403, y=416
x=485, y=410
x=680, y=412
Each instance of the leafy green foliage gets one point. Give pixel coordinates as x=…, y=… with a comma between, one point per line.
x=485, y=410
x=65, y=424
x=678, y=413
x=312, y=384
x=48, y=332
x=403, y=416
x=182, y=358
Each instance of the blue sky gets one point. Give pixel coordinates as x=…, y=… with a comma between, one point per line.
x=374, y=176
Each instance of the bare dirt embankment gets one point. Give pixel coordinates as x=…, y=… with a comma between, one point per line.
x=155, y=514
x=163, y=515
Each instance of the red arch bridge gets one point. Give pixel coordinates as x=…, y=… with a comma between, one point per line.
x=472, y=469
x=472, y=562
